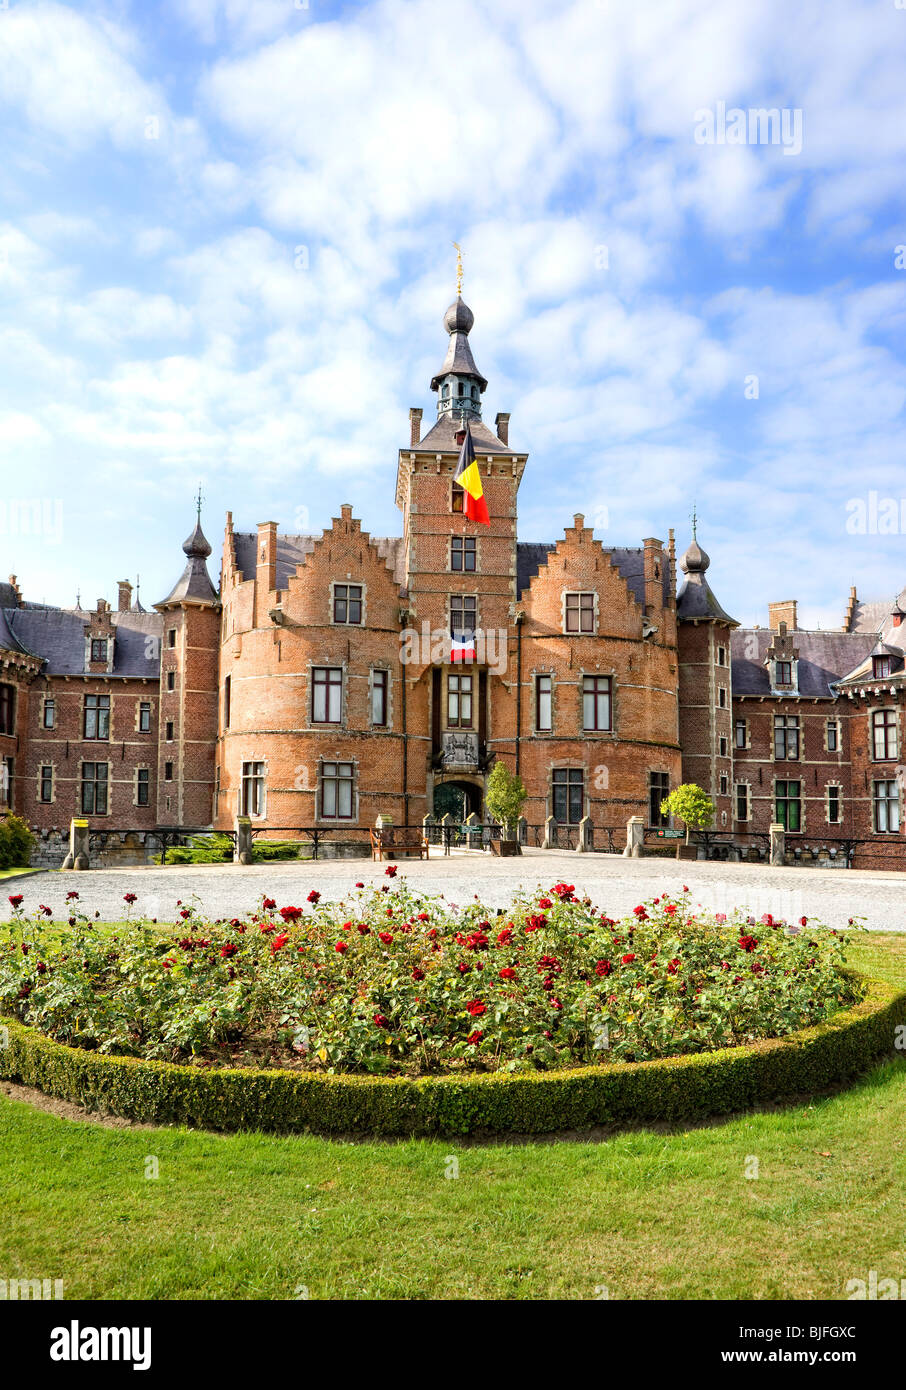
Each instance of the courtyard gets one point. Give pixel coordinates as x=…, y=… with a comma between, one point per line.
x=615, y=884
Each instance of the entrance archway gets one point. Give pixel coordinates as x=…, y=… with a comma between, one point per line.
x=457, y=799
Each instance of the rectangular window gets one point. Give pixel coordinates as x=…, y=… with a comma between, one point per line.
x=347, y=603
x=144, y=716
x=788, y=805
x=380, y=681
x=887, y=808
x=568, y=786
x=171, y=680
x=227, y=693
x=99, y=649
x=49, y=718
x=168, y=776
x=833, y=736
x=463, y=553
x=6, y=782
x=459, y=702
x=741, y=733
x=47, y=783
x=337, y=791
x=884, y=735
x=456, y=501
x=326, y=694
x=168, y=729
x=783, y=672
x=722, y=696
x=833, y=805
x=463, y=614
x=742, y=801
x=786, y=736
x=580, y=612
x=94, y=789
x=97, y=717
x=723, y=747
x=880, y=666
x=252, y=790
x=724, y=785
x=142, y=786
x=7, y=709
x=544, y=700
x=658, y=788
x=596, y=702
x=721, y=656
x=171, y=637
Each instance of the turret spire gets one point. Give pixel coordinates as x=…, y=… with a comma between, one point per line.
x=459, y=384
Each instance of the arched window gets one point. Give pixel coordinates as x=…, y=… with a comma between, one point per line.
x=446, y=391
x=462, y=389
x=474, y=392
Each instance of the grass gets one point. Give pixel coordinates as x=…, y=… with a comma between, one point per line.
x=645, y=1214
x=17, y=873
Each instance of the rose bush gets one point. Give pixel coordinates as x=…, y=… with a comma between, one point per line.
x=389, y=980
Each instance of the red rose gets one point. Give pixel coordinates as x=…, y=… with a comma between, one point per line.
x=279, y=942
x=341, y=946
x=603, y=968
x=228, y=950
x=363, y=929
x=508, y=973
x=390, y=871
x=641, y=913
x=476, y=1008
x=545, y=903
x=628, y=959
x=314, y=896
x=360, y=885
x=673, y=966
x=16, y=899
x=475, y=1037
x=424, y=917
x=269, y=904
x=381, y=1021
x=129, y=898
x=418, y=974
x=291, y=914
x=748, y=943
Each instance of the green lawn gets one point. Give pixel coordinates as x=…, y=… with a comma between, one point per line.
x=17, y=873
x=645, y=1214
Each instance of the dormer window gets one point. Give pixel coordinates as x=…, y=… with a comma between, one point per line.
x=880, y=666
x=783, y=673
x=99, y=649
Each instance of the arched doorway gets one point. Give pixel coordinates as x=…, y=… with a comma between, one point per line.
x=456, y=799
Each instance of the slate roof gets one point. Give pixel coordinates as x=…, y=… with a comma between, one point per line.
x=824, y=658
x=697, y=600
x=441, y=437
x=194, y=584
x=869, y=617
x=58, y=636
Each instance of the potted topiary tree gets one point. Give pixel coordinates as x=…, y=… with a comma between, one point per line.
x=694, y=808
x=505, y=798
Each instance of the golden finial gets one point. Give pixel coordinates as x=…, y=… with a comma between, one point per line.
x=458, y=268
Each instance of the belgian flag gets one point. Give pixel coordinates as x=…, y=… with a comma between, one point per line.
x=469, y=479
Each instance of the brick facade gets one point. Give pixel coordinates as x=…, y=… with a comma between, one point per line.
x=316, y=687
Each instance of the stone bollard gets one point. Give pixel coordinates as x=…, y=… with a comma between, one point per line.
x=522, y=830
x=778, y=844
x=635, y=837
x=77, y=858
x=243, y=851
x=550, y=834
x=586, y=836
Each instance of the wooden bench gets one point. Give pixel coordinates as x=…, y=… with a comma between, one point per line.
x=399, y=839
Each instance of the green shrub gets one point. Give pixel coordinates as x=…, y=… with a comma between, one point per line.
x=217, y=848
x=669, y=1089
x=16, y=843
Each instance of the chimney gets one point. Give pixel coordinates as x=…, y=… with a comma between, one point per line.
x=125, y=596
x=654, y=574
x=502, y=426
x=415, y=424
x=783, y=612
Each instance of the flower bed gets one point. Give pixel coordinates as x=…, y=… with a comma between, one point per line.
x=393, y=983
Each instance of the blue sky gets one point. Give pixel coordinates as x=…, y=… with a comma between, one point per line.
x=163, y=164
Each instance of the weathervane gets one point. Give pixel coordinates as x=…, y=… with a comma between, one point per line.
x=694, y=522
x=458, y=269
x=198, y=502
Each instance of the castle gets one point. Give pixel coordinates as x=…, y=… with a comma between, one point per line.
x=318, y=687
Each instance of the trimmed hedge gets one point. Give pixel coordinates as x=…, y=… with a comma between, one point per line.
x=673, y=1088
